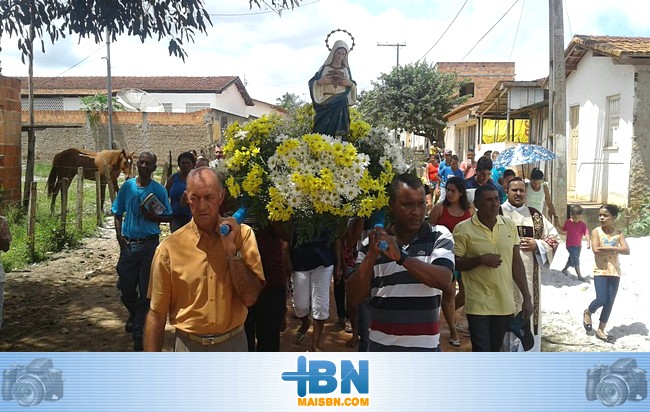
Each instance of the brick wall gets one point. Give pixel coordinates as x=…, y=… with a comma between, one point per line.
x=10, y=124
x=484, y=75
x=134, y=131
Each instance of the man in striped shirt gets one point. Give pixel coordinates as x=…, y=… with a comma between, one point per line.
x=405, y=280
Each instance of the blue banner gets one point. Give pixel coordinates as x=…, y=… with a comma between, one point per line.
x=325, y=381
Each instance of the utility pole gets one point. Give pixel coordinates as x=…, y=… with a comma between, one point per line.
x=557, y=107
x=397, y=45
x=109, y=89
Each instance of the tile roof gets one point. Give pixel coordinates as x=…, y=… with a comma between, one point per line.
x=615, y=46
x=624, y=50
x=80, y=86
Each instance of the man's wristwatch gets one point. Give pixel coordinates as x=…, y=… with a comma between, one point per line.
x=236, y=256
x=402, y=258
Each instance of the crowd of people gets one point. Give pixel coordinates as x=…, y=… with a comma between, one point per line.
x=443, y=250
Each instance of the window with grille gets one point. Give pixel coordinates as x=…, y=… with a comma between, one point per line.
x=195, y=107
x=43, y=103
x=613, y=120
x=168, y=107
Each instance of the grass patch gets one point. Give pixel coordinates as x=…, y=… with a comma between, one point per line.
x=50, y=236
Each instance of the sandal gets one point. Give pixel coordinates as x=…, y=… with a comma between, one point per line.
x=300, y=336
x=454, y=342
x=605, y=338
x=586, y=320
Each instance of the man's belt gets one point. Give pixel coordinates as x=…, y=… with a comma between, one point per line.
x=207, y=340
x=140, y=239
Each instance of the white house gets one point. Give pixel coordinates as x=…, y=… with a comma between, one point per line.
x=607, y=95
x=227, y=94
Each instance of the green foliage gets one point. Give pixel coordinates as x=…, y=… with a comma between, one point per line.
x=99, y=103
x=641, y=225
x=173, y=19
x=49, y=236
x=289, y=102
x=413, y=97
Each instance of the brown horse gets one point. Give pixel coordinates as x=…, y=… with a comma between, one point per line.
x=65, y=165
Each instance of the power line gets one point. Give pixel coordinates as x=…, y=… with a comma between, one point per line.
x=80, y=61
x=443, y=33
x=568, y=18
x=523, y=4
x=495, y=24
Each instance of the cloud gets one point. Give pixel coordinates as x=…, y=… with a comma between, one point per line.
x=279, y=54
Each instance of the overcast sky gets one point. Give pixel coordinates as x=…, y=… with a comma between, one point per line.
x=277, y=54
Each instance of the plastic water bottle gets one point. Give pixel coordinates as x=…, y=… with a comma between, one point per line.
x=378, y=221
x=239, y=216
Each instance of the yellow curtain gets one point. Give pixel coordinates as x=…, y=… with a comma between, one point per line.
x=495, y=131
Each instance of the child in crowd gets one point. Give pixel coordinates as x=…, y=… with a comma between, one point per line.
x=575, y=229
x=607, y=243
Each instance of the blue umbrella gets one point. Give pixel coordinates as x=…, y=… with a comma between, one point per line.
x=523, y=154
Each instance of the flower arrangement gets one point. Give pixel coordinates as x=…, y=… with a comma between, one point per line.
x=311, y=180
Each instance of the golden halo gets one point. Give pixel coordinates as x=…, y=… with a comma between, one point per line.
x=334, y=31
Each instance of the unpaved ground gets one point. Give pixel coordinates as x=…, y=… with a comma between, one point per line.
x=71, y=303
x=564, y=299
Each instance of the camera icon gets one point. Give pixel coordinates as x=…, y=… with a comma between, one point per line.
x=30, y=385
x=615, y=384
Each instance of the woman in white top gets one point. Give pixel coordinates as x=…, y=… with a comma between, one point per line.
x=538, y=195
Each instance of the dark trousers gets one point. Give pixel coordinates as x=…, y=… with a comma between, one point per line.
x=339, y=297
x=606, y=289
x=363, y=314
x=265, y=318
x=133, y=280
x=487, y=331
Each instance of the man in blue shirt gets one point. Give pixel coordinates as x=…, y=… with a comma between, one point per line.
x=447, y=172
x=483, y=177
x=447, y=161
x=137, y=231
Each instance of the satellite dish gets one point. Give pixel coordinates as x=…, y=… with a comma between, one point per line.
x=136, y=100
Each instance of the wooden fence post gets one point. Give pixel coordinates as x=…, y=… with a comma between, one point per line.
x=165, y=171
x=31, y=219
x=98, y=196
x=80, y=199
x=111, y=187
x=65, y=185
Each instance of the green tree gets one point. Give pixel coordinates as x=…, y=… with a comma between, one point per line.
x=28, y=20
x=289, y=101
x=414, y=98
x=99, y=103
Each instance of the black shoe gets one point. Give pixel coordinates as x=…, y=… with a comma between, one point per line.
x=128, y=326
x=138, y=346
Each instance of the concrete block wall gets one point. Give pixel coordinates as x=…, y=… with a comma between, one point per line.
x=133, y=131
x=10, y=142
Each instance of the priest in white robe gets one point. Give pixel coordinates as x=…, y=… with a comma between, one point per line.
x=539, y=239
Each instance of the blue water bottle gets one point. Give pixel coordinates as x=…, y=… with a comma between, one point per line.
x=239, y=216
x=378, y=221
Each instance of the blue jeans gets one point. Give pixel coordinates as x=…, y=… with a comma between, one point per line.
x=133, y=280
x=606, y=289
x=574, y=256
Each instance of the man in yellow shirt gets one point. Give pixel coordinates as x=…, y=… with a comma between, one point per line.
x=487, y=253
x=204, y=280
